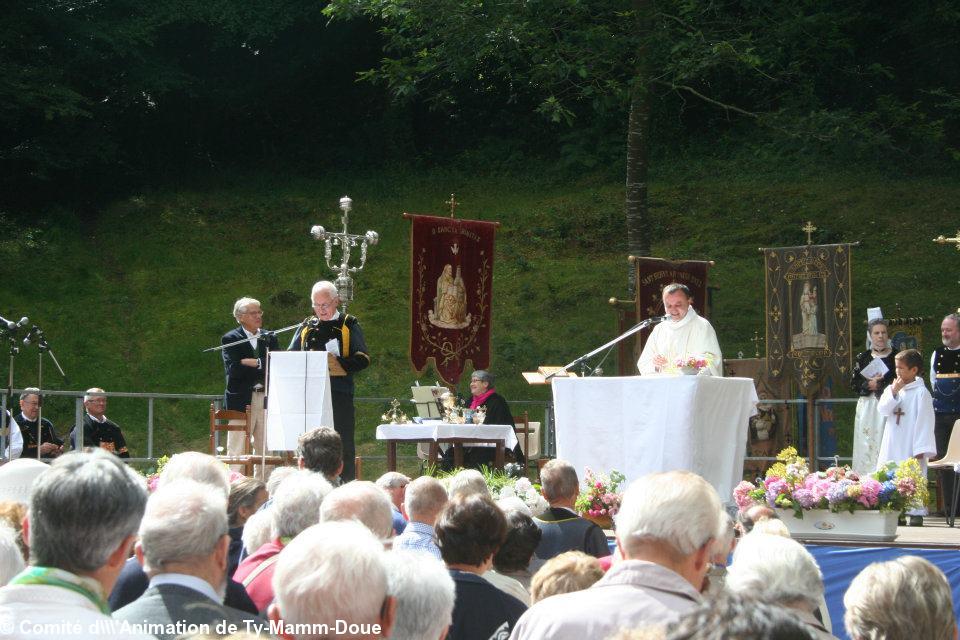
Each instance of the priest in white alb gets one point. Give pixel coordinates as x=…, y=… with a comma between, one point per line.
x=908, y=407
x=685, y=334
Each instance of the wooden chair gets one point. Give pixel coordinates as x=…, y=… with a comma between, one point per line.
x=950, y=460
x=524, y=433
x=227, y=420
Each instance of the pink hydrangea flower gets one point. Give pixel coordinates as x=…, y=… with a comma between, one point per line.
x=870, y=492
x=741, y=494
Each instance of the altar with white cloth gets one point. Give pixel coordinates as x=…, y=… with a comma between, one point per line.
x=641, y=425
x=434, y=432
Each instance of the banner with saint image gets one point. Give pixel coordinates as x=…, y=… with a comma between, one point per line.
x=808, y=325
x=451, y=290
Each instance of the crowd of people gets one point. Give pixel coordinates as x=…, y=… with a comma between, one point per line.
x=87, y=551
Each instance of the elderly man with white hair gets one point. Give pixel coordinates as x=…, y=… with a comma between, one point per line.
x=425, y=595
x=467, y=482
x=207, y=470
x=81, y=525
x=331, y=581
x=341, y=337
x=98, y=430
x=666, y=529
x=183, y=547
x=424, y=500
x=904, y=598
x=395, y=484
x=295, y=507
x=362, y=501
x=780, y=571
x=244, y=363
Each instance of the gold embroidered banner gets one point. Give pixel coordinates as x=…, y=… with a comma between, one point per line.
x=451, y=290
x=808, y=325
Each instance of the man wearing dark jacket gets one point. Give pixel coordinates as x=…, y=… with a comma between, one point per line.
x=341, y=337
x=244, y=363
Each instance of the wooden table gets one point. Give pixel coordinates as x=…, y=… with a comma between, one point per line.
x=434, y=433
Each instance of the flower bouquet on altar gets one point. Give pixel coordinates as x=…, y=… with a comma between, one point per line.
x=692, y=365
x=789, y=484
x=601, y=497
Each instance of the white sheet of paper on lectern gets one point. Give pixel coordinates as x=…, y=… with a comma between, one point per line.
x=299, y=397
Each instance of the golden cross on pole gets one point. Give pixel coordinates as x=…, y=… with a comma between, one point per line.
x=453, y=204
x=756, y=343
x=808, y=229
x=955, y=240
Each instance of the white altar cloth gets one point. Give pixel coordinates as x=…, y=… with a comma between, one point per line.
x=640, y=425
x=441, y=430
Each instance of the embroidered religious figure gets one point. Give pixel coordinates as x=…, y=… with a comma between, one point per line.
x=450, y=303
x=808, y=309
x=809, y=336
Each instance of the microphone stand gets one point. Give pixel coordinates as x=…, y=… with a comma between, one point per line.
x=260, y=334
x=36, y=333
x=11, y=329
x=629, y=332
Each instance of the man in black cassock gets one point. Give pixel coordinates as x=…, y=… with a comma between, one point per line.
x=244, y=363
x=50, y=445
x=340, y=335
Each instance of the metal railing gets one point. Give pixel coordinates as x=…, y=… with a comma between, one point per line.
x=151, y=399
x=547, y=445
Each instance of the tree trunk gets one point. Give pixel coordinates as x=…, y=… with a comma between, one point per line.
x=638, y=131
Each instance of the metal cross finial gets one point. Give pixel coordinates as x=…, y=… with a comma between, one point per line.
x=954, y=240
x=453, y=204
x=756, y=343
x=808, y=229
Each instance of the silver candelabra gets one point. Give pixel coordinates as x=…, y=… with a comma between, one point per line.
x=346, y=241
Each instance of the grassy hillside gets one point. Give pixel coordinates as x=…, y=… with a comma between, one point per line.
x=129, y=296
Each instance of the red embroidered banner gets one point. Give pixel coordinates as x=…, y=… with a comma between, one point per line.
x=451, y=290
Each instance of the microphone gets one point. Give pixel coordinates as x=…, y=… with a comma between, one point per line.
x=659, y=319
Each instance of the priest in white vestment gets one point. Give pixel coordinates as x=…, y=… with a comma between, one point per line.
x=684, y=334
x=908, y=407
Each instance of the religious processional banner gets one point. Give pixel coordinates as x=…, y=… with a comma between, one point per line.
x=653, y=274
x=451, y=291
x=808, y=326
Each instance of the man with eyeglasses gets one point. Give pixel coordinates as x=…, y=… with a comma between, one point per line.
x=244, y=362
x=339, y=335
x=50, y=446
x=98, y=431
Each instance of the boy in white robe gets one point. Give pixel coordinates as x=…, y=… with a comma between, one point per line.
x=684, y=334
x=908, y=407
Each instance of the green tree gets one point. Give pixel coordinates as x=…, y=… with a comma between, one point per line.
x=782, y=65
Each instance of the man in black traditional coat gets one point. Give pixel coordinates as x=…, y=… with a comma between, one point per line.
x=50, y=445
x=98, y=431
x=340, y=335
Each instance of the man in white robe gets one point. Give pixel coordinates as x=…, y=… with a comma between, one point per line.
x=684, y=334
x=908, y=407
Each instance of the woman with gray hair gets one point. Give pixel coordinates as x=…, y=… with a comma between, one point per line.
x=868, y=424
x=898, y=600
x=780, y=571
x=497, y=411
